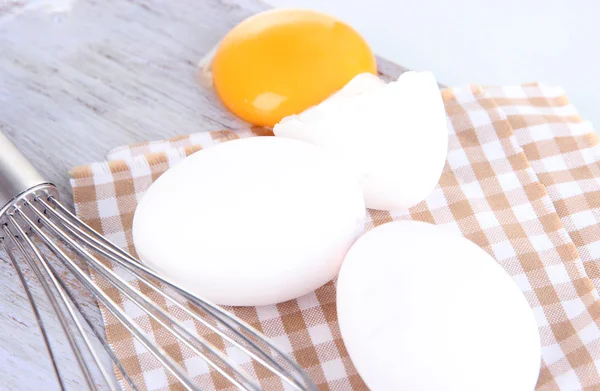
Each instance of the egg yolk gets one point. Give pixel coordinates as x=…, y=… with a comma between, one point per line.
x=281, y=62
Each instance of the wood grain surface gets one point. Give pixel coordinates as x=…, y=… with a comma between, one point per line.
x=77, y=78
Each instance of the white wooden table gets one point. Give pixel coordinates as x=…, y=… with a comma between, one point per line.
x=79, y=77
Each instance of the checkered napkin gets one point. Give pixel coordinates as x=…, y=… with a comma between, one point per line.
x=522, y=181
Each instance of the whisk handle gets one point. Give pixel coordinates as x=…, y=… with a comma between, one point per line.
x=16, y=172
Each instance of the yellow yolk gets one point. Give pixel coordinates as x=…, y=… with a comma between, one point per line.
x=281, y=62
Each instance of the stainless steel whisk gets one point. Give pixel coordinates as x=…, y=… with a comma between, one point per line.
x=37, y=229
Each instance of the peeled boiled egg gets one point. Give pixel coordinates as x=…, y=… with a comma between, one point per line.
x=280, y=62
x=393, y=136
x=253, y=221
x=421, y=308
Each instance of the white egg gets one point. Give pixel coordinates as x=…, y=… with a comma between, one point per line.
x=394, y=136
x=421, y=308
x=250, y=222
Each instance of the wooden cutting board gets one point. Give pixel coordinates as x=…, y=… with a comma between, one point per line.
x=79, y=77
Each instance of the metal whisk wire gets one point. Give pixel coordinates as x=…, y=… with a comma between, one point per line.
x=35, y=218
x=46, y=271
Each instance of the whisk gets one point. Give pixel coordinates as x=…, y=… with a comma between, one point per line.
x=38, y=230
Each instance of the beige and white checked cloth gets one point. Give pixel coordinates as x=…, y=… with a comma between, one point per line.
x=522, y=181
